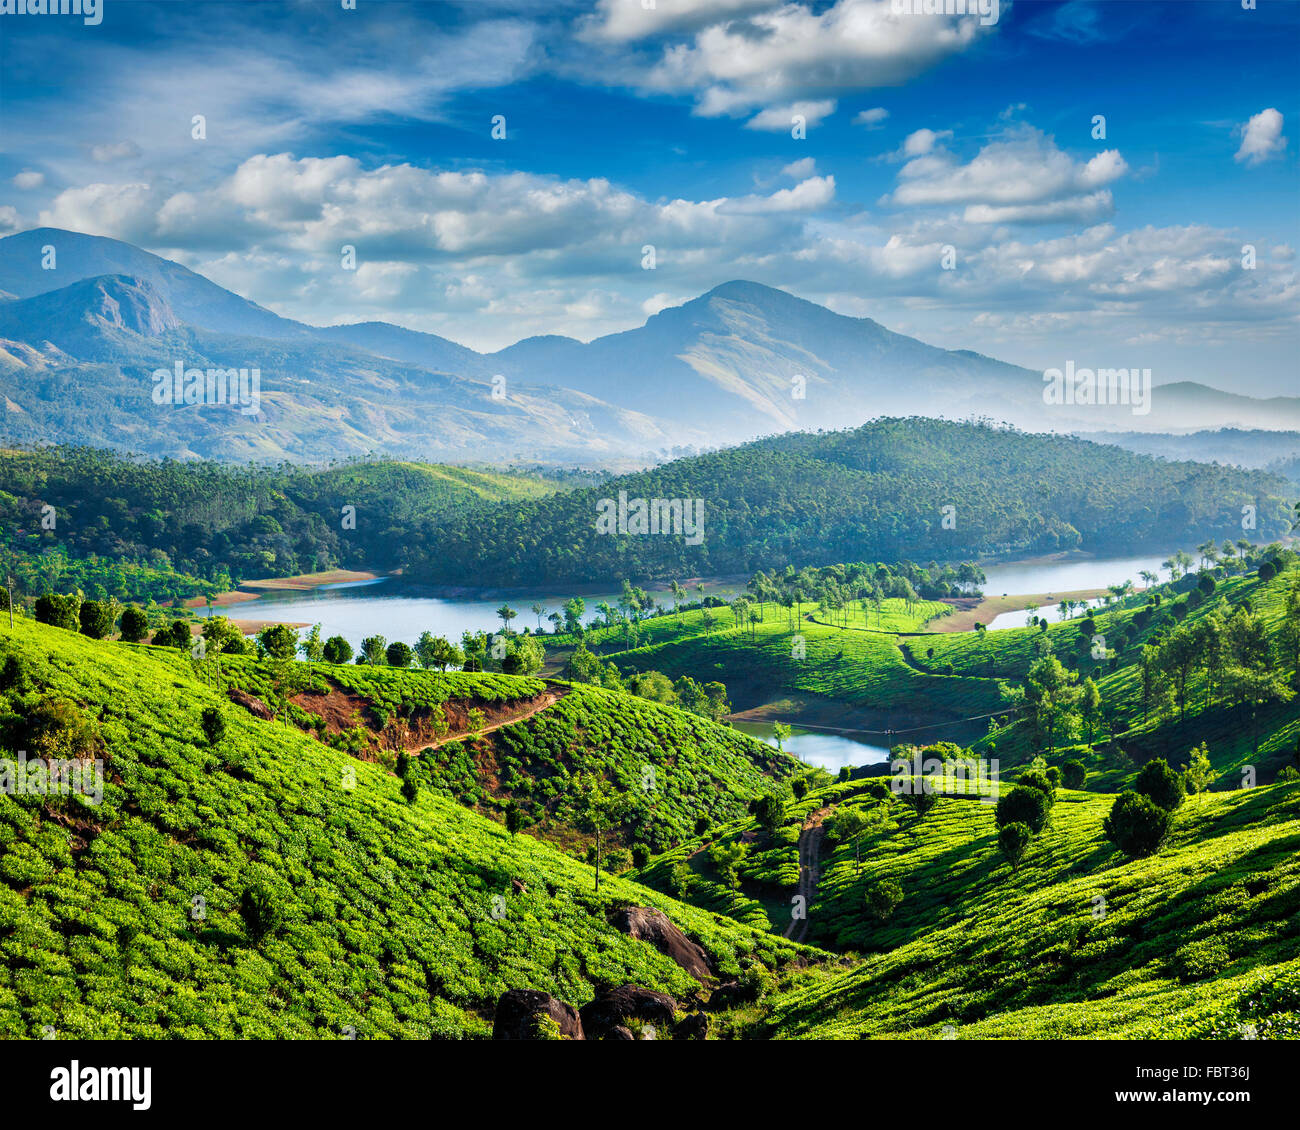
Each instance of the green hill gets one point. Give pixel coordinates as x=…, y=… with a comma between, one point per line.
x=877, y=492
x=393, y=917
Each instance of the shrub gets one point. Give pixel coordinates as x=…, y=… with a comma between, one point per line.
x=135, y=624
x=799, y=786
x=399, y=654
x=1135, y=825
x=337, y=650
x=96, y=618
x=882, y=898
x=1013, y=839
x=1160, y=784
x=1074, y=774
x=1037, y=779
x=277, y=641
x=920, y=800
x=1023, y=805
x=59, y=611
x=257, y=909
x=640, y=855
x=213, y=723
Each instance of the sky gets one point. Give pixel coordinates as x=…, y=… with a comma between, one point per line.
x=503, y=168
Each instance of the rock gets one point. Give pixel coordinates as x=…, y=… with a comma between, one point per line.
x=519, y=1010
x=254, y=706
x=654, y=926
x=613, y=1007
x=727, y=995
x=694, y=1027
x=519, y=887
x=620, y=1033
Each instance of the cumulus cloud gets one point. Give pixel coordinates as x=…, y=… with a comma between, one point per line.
x=1020, y=178
x=778, y=119
x=621, y=21
x=1261, y=138
x=798, y=170
x=116, y=151
x=28, y=179
x=872, y=118
x=793, y=52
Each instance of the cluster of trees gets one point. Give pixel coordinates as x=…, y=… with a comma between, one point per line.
x=709, y=700
x=1141, y=817
x=874, y=492
x=1024, y=810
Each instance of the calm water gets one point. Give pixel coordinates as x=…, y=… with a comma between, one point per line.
x=1062, y=576
x=366, y=608
x=825, y=750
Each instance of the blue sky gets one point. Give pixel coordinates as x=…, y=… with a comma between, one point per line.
x=671, y=127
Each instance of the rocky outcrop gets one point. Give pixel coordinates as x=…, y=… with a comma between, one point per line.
x=520, y=1011
x=693, y=1027
x=251, y=703
x=654, y=926
x=613, y=1008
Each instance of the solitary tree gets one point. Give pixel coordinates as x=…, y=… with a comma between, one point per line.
x=1013, y=839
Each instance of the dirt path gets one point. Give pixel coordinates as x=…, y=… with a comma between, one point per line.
x=543, y=701
x=810, y=846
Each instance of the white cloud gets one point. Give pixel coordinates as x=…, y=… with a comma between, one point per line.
x=1020, y=178
x=621, y=21
x=794, y=52
x=1261, y=138
x=117, y=151
x=872, y=118
x=798, y=170
x=778, y=119
x=28, y=179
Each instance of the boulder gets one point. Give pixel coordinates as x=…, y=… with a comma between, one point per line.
x=654, y=926
x=519, y=1010
x=694, y=1027
x=612, y=1008
x=252, y=704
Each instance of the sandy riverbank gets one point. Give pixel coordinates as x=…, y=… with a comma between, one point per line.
x=304, y=582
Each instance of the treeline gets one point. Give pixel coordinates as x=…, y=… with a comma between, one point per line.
x=136, y=529
x=913, y=489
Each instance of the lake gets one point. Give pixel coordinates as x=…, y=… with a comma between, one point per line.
x=384, y=607
x=827, y=751
x=1061, y=577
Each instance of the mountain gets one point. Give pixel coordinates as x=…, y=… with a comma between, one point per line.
x=77, y=365
x=195, y=300
x=740, y=361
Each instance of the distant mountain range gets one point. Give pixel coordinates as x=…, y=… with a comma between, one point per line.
x=78, y=345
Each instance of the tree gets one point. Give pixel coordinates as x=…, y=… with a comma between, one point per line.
x=398, y=654
x=59, y=611
x=1135, y=825
x=770, y=813
x=1023, y=805
x=780, y=731
x=1090, y=706
x=883, y=898
x=313, y=648
x=1199, y=774
x=505, y=614
x=258, y=910
x=223, y=636
x=1160, y=784
x=213, y=723
x=799, y=786
x=373, y=651
x=598, y=809
x=96, y=618
x=514, y=817
x=135, y=624
x=1013, y=839
x=726, y=859
x=847, y=825
x=1053, y=698
x=574, y=608
x=337, y=650
x=1074, y=774
x=701, y=826
x=277, y=641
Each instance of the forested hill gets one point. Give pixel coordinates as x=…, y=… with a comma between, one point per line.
x=873, y=493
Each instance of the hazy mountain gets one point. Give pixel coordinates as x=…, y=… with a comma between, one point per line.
x=1229, y=446
x=740, y=361
x=77, y=365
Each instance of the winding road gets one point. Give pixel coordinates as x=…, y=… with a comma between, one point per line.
x=810, y=846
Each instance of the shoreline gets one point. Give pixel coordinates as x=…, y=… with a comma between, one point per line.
x=303, y=582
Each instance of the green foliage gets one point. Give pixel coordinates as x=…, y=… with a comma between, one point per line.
x=97, y=618
x=1074, y=773
x=134, y=624
x=1013, y=839
x=277, y=641
x=1136, y=825
x=883, y=898
x=213, y=723
x=1023, y=805
x=337, y=650
x=1160, y=784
